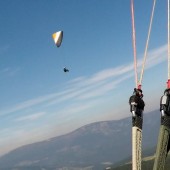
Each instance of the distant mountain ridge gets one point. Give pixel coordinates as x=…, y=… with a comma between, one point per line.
x=99, y=143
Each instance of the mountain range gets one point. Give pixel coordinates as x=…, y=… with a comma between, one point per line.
x=94, y=146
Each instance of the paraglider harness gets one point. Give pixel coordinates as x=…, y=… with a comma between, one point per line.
x=165, y=112
x=136, y=103
x=65, y=69
x=165, y=103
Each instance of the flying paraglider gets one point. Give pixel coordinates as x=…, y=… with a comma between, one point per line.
x=58, y=37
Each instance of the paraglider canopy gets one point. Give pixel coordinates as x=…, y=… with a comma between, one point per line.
x=57, y=37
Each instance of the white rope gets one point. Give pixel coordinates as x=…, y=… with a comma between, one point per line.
x=134, y=43
x=147, y=43
x=168, y=44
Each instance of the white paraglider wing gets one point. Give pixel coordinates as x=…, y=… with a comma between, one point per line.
x=58, y=37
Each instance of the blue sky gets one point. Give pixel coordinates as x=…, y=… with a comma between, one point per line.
x=38, y=100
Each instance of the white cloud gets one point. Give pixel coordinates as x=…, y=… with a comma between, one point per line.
x=33, y=102
x=104, y=88
x=30, y=117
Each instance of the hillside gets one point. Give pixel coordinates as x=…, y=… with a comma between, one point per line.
x=96, y=146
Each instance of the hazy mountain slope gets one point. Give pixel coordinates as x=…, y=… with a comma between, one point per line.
x=93, y=144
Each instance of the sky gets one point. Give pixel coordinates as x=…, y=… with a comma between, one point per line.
x=38, y=100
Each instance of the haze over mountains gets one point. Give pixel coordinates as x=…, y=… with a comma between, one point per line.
x=97, y=144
